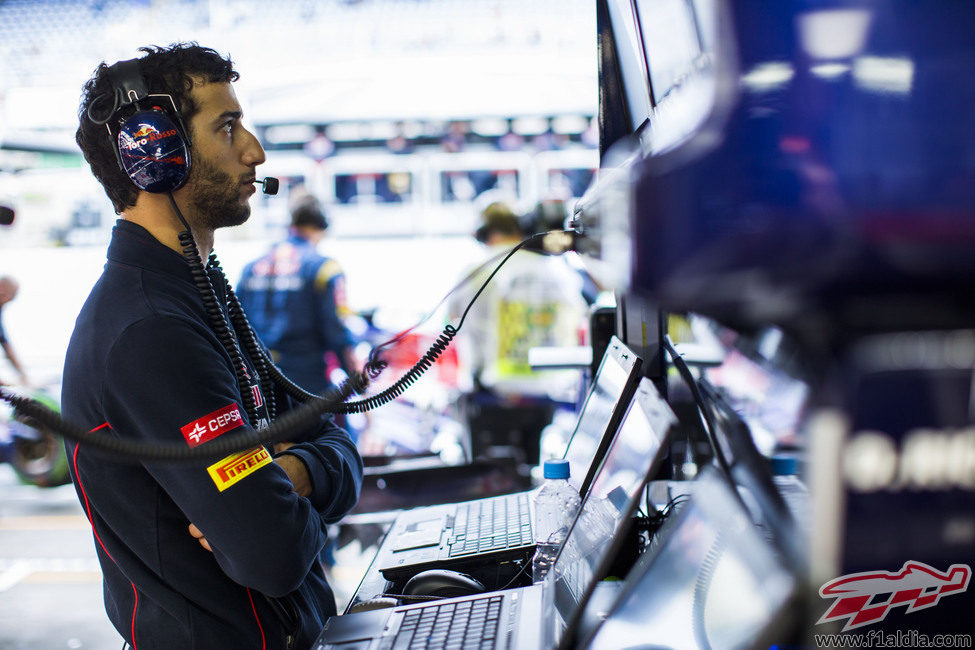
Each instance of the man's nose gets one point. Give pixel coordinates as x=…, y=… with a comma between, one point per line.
x=253, y=152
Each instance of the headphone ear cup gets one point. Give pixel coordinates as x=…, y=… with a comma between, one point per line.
x=153, y=151
x=481, y=234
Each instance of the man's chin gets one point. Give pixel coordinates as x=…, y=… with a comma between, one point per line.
x=243, y=215
x=240, y=220
x=230, y=219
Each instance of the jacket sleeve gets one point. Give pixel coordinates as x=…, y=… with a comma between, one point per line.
x=334, y=466
x=170, y=382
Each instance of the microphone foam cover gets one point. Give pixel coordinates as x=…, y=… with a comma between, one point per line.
x=270, y=185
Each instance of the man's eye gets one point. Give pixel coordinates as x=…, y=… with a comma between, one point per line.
x=227, y=127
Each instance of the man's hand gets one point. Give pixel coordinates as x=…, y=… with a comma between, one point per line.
x=281, y=446
x=292, y=466
x=296, y=471
x=195, y=532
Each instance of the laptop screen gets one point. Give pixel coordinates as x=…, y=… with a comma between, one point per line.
x=633, y=457
x=611, y=389
x=771, y=401
x=713, y=582
x=751, y=470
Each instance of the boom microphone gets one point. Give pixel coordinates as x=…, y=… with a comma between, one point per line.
x=7, y=214
x=269, y=185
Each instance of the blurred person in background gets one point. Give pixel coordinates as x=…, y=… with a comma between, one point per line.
x=535, y=300
x=204, y=554
x=549, y=216
x=8, y=291
x=295, y=299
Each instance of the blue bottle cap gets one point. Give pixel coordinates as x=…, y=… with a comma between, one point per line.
x=556, y=468
x=784, y=465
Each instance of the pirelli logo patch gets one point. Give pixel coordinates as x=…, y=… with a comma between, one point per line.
x=210, y=426
x=233, y=468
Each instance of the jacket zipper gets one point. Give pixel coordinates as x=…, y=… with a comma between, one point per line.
x=287, y=613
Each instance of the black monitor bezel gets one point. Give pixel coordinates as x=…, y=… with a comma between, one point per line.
x=645, y=397
x=619, y=353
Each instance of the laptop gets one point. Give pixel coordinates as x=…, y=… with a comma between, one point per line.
x=536, y=616
x=499, y=529
x=778, y=507
x=713, y=582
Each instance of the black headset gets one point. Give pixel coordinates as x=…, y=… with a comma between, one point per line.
x=150, y=140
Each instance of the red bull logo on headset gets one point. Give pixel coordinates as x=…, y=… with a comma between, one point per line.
x=153, y=152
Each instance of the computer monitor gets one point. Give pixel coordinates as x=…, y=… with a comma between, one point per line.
x=628, y=39
x=671, y=43
x=771, y=401
x=611, y=389
x=752, y=471
x=599, y=534
x=713, y=582
x=829, y=192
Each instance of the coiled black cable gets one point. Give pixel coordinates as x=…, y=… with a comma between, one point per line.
x=438, y=346
x=249, y=339
x=218, y=320
x=267, y=372
x=358, y=382
x=404, y=382
x=281, y=428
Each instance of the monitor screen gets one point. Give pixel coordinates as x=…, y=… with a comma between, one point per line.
x=633, y=457
x=632, y=61
x=752, y=472
x=713, y=582
x=670, y=42
x=768, y=399
x=611, y=389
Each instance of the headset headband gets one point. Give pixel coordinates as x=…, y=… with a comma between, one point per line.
x=128, y=81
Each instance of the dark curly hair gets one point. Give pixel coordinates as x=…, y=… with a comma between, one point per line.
x=168, y=70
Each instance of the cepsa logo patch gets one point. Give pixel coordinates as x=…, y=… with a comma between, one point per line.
x=210, y=426
x=233, y=468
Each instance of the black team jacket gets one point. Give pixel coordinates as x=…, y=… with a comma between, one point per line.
x=144, y=364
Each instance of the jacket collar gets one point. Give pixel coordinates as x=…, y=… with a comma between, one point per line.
x=133, y=245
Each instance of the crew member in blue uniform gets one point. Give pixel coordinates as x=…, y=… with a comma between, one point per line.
x=295, y=299
x=208, y=554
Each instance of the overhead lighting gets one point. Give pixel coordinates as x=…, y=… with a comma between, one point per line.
x=570, y=124
x=288, y=133
x=884, y=74
x=829, y=71
x=834, y=33
x=530, y=125
x=767, y=76
x=489, y=126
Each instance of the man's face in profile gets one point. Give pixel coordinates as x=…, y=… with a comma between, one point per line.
x=225, y=155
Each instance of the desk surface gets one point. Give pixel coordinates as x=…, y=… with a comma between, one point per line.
x=372, y=584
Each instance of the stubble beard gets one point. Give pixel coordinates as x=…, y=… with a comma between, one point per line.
x=216, y=199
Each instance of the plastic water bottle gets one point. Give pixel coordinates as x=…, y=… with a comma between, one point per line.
x=556, y=504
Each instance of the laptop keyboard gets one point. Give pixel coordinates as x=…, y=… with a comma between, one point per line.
x=467, y=624
x=491, y=525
